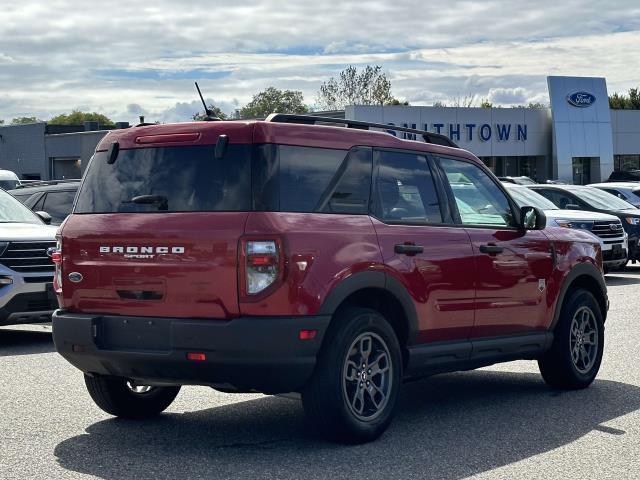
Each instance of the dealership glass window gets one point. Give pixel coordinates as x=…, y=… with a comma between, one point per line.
x=626, y=162
x=581, y=170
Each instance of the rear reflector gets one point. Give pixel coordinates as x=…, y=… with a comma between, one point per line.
x=307, y=334
x=168, y=138
x=196, y=357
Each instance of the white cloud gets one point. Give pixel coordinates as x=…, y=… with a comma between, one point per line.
x=59, y=54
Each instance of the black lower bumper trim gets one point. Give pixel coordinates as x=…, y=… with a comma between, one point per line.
x=28, y=307
x=261, y=354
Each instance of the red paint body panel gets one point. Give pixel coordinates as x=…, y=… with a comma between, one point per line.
x=440, y=280
x=321, y=251
x=201, y=283
x=508, y=295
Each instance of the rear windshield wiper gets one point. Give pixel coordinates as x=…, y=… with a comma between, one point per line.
x=161, y=200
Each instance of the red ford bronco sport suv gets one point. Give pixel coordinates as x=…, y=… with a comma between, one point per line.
x=285, y=256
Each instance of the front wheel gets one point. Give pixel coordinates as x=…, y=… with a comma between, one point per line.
x=578, y=344
x=122, y=398
x=352, y=393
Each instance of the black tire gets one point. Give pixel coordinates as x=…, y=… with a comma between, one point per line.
x=558, y=367
x=115, y=396
x=331, y=402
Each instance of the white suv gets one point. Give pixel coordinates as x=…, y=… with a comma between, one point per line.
x=26, y=269
x=606, y=228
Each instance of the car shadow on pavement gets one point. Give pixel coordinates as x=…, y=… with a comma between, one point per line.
x=447, y=427
x=615, y=280
x=25, y=342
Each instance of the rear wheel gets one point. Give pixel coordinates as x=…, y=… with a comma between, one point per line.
x=575, y=356
x=353, y=391
x=122, y=398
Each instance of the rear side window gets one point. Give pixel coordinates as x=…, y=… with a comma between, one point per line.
x=307, y=179
x=58, y=204
x=169, y=179
x=405, y=191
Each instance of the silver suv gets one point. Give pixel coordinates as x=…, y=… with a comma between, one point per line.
x=26, y=270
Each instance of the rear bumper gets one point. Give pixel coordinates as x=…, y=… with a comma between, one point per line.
x=263, y=354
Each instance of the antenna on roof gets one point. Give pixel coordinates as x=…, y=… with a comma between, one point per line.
x=208, y=113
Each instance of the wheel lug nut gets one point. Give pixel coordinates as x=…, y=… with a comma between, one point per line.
x=369, y=371
x=361, y=385
x=368, y=383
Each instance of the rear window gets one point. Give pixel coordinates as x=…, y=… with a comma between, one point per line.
x=168, y=179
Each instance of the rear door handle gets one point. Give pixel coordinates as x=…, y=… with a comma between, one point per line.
x=491, y=249
x=408, y=249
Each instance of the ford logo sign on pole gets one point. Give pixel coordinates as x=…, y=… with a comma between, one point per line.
x=581, y=99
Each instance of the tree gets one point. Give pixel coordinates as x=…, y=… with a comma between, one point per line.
x=395, y=101
x=24, y=120
x=274, y=100
x=485, y=103
x=368, y=87
x=1, y=122
x=215, y=111
x=77, y=117
x=620, y=101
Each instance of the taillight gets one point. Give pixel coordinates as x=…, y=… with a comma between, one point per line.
x=56, y=257
x=261, y=265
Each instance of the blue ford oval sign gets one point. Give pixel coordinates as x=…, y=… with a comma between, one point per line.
x=581, y=99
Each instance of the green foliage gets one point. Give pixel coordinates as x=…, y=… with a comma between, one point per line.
x=368, y=87
x=274, y=100
x=619, y=101
x=1, y=122
x=395, y=101
x=215, y=111
x=24, y=120
x=77, y=117
x=485, y=103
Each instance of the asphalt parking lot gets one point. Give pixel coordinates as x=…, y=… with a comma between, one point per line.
x=501, y=422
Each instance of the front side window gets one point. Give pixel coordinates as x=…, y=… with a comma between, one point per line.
x=404, y=189
x=58, y=204
x=559, y=198
x=479, y=200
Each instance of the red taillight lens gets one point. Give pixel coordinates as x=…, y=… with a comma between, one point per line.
x=56, y=258
x=196, y=356
x=262, y=265
x=307, y=334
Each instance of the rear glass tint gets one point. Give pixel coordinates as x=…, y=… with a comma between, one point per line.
x=169, y=179
x=293, y=179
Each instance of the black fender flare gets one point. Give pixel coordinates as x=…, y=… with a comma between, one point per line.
x=582, y=269
x=371, y=279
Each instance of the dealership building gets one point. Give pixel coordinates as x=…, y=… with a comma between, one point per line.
x=577, y=140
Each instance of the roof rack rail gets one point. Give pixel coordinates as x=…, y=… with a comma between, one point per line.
x=43, y=183
x=429, y=137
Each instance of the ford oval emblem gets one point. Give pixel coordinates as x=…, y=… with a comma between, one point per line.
x=75, y=277
x=581, y=99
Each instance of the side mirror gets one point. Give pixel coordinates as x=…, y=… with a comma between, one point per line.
x=572, y=206
x=532, y=218
x=44, y=216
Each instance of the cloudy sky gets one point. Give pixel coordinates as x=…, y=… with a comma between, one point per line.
x=126, y=58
